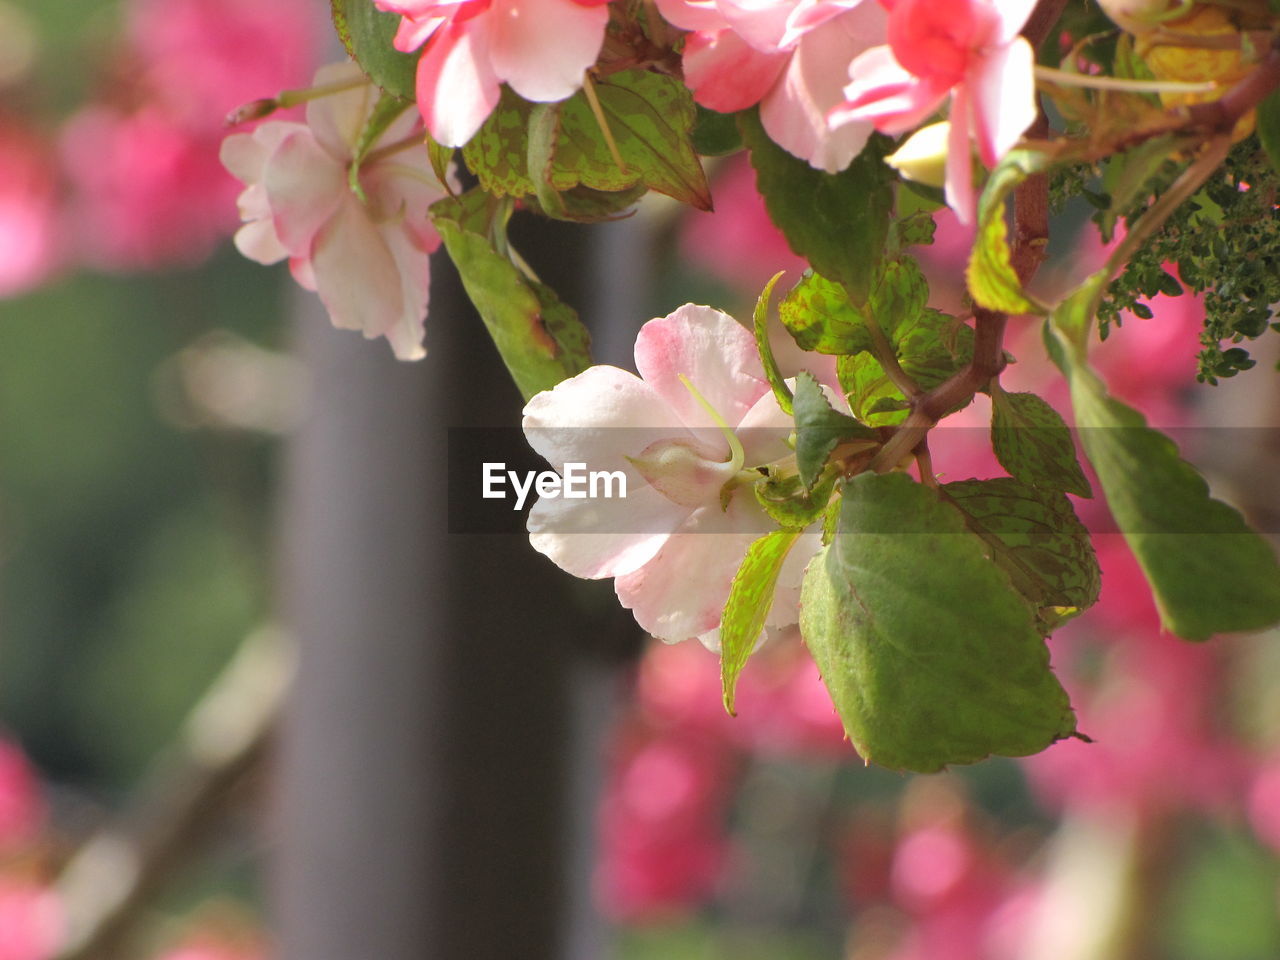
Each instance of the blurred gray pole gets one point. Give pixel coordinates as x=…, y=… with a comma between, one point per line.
x=440, y=758
x=361, y=525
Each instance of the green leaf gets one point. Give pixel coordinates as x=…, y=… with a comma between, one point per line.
x=930, y=346
x=649, y=115
x=838, y=222
x=821, y=316
x=747, y=608
x=760, y=327
x=930, y=655
x=790, y=505
x=991, y=278
x=819, y=429
x=1033, y=442
x=1208, y=571
x=540, y=339
x=1269, y=128
x=872, y=396
x=818, y=315
x=366, y=33
x=1036, y=538
x=715, y=134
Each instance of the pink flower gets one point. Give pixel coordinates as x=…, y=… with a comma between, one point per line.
x=790, y=56
x=21, y=805
x=28, y=211
x=203, y=58
x=148, y=192
x=31, y=920
x=368, y=259
x=968, y=49
x=675, y=540
x=470, y=47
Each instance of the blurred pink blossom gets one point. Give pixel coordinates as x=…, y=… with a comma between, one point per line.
x=201, y=59
x=469, y=48
x=29, y=236
x=662, y=827
x=142, y=162
x=147, y=191
x=30, y=920
x=22, y=810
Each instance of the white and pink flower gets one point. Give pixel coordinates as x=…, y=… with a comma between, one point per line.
x=471, y=47
x=367, y=257
x=675, y=541
x=789, y=56
x=968, y=50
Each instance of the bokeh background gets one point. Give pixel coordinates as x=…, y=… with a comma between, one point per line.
x=201, y=485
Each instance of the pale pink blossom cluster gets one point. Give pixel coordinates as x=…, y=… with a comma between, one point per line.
x=366, y=255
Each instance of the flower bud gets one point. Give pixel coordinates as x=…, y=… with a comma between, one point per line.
x=923, y=156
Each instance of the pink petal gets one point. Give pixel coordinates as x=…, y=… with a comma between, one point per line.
x=794, y=114
x=413, y=265
x=959, y=178
x=600, y=417
x=356, y=274
x=542, y=47
x=882, y=92
x=691, y=14
x=715, y=353
x=680, y=593
x=761, y=23
x=245, y=154
x=764, y=432
x=338, y=119
x=808, y=14
x=1002, y=87
x=604, y=537
x=413, y=33
x=304, y=186
x=257, y=240
x=457, y=88
x=725, y=73
x=301, y=270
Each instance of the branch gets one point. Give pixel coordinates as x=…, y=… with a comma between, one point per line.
x=109, y=881
x=1030, y=239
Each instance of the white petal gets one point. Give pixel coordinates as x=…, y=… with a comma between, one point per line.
x=542, y=47
x=600, y=417
x=258, y=241
x=338, y=119
x=680, y=593
x=414, y=267
x=355, y=273
x=604, y=537
x=305, y=185
x=1002, y=97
